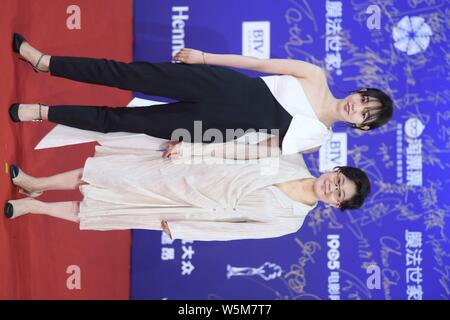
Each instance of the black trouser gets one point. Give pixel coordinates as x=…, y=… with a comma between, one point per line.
x=219, y=97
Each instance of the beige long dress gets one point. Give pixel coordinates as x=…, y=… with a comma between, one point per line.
x=135, y=188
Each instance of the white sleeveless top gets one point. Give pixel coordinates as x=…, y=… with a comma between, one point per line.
x=305, y=131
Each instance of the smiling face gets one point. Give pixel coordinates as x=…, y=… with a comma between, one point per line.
x=359, y=109
x=334, y=188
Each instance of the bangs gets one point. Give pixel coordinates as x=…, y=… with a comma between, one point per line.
x=379, y=114
x=375, y=111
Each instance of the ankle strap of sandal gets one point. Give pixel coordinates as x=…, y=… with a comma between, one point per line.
x=40, y=114
x=39, y=61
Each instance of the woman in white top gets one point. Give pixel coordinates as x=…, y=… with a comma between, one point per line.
x=296, y=105
x=193, y=196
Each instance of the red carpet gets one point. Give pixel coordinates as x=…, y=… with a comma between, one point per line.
x=36, y=250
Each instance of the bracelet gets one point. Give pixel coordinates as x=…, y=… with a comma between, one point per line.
x=203, y=54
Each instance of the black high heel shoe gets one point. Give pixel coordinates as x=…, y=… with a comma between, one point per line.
x=13, y=173
x=14, y=113
x=8, y=210
x=18, y=39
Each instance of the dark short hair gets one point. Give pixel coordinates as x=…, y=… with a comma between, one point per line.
x=362, y=183
x=382, y=114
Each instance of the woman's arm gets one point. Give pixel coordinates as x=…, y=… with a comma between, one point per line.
x=192, y=56
x=225, y=231
x=234, y=60
x=296, y=68
x=233, y=149
x=229, y=150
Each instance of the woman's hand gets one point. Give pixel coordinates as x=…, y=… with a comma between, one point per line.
x=171, y=148
x=165, y=228
x=189, y=56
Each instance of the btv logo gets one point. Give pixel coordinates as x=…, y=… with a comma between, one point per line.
x=256, y=39
x=333, y=153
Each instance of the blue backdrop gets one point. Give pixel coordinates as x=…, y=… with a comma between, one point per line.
x=396, y=246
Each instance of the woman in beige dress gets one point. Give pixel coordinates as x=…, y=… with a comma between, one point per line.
x=191, y=191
